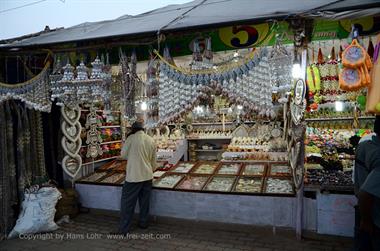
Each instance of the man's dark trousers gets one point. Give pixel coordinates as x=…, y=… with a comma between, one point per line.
x=131, y=192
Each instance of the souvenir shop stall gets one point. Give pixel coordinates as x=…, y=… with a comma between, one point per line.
x=240, y=153
x=342, y=104
x=216, y=115
x=253, y=123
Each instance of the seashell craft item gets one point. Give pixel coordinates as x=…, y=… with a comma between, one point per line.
x=71, y=141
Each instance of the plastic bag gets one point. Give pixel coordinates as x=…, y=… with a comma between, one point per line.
x=37, y=213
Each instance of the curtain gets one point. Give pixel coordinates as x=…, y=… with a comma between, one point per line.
x=22, y=158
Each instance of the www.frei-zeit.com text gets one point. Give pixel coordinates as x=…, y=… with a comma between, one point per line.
x=93, y=236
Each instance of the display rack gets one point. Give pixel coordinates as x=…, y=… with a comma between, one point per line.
x=179, y=177
x=111, y=135
x=337, y=119
x=100, y=160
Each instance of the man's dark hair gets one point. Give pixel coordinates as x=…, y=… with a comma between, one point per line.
x=376, y=127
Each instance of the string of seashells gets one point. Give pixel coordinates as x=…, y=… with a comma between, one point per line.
x=72, y=90
x=248, y=85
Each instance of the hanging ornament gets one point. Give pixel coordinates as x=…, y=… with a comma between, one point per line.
x=298, y=104
x=128, y=74
x=248, y=84
x=71, y=90
x=71, y=141
x=35, y=93
x=93, y=135
x=280, y=62
x=356, y=67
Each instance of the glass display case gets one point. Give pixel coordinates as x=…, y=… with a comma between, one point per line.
x=193, y=182
x=168, y=180
x=223, y=177
x=220, y=184
x=253, y=169
x=183, y=167
x=205, y=168
x=280, y=169
x=279, y=186
x=248, y=185
x=229, y=168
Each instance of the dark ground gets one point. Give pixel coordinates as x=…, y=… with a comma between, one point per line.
x=91, y=232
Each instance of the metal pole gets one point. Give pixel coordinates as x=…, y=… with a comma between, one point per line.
x=299, y=214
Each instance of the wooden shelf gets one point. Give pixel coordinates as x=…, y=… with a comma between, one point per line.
x=106, y=143
x=254, y=161
x=111, y=126
x=207, y=150
x=100, y=160
x=87, y=110
x=111, y=142
x=229, y=138
x=220, y=123
x=337, y=119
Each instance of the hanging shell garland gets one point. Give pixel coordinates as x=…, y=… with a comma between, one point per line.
x=248, y=85
x=35, y=93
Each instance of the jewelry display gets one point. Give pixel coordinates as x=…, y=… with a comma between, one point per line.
x=158, y=174
x=262, y=137
x=168, y=181
x=232, y=168
x=221, y=184
x=35, y=93
x=248, y=185
x=267, y=156
x=205, y=168
x=280, y=170
x=280, y=186
x=254, y=169
x=183, y=167
x=209, y=133
x=213, y=177
x=193, y=183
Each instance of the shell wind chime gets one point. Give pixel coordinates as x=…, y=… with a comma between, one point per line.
x=71, y=90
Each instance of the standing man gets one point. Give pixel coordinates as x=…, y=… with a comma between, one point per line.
x=367, y=189
x=140, y=151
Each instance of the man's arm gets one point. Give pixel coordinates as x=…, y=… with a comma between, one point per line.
x=124, y=150
x=153, y=158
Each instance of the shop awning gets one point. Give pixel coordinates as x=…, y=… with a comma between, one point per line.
x=197, y=14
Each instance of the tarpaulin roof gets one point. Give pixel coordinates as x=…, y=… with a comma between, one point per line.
x=195, y=14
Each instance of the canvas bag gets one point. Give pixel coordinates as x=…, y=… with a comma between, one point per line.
x=37, y=213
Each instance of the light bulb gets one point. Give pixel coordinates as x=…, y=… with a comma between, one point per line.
x=339, y=105
x=296, y=71
x=144, y=106
x=239, y=107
